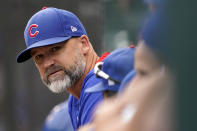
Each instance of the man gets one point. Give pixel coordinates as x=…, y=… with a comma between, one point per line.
x=113, y=71
x=64, y=56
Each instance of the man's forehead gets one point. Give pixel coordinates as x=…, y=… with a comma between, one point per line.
x=43, y=48
x=144, y=57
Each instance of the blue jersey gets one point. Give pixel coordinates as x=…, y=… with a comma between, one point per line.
x=81, y=110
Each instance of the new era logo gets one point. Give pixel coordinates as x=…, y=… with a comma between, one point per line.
x=73, y=28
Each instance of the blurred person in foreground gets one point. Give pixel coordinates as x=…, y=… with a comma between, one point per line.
x=147, y=104
x=58, y=43
x=58, y=119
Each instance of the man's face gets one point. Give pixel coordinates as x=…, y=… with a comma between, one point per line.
x=60, y=65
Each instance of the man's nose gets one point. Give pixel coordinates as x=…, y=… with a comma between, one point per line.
x=49, y=61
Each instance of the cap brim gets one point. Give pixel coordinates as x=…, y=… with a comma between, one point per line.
x=96, y=88
x=102, y=86
x=25, y=54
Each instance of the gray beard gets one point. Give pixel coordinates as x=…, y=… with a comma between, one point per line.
x=71, y=76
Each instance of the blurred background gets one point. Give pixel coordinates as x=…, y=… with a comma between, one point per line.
x=24, y=100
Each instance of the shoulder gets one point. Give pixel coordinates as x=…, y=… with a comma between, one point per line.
x=90, y=80
x=88, y=100
x=58, y=119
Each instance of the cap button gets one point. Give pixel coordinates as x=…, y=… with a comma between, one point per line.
x=132, y=46
x=43, y=8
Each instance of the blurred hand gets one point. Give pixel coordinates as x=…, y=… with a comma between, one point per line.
x=142, y=106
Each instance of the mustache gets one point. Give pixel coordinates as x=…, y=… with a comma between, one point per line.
x=53, y=69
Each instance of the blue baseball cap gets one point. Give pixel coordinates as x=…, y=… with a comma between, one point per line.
x=50, y=26
x=157, y=34
x=115, y=67
x=58, y=119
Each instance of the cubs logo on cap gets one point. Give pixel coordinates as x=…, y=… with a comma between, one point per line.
x=30, y=30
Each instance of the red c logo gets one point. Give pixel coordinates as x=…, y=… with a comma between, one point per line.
x=35, y=33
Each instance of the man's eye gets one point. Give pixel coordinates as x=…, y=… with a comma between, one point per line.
x=56, y=48
x=38, y=57
x=142, y=73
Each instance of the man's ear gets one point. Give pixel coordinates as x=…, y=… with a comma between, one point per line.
x=85, y=44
